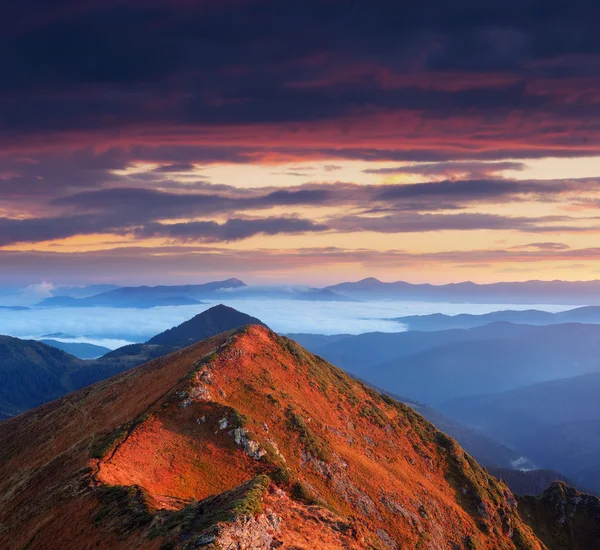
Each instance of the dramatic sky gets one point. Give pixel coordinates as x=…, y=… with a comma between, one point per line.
x=299, y=141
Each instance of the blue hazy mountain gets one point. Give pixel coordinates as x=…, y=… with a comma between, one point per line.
x=439, y=321
x=147, y=296
x=529, y=292
x=555, y=423
x=81, y=350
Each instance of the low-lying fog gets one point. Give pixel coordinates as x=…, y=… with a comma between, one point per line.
x=114, y=327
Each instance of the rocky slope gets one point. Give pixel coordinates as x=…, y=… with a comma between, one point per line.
x=563, y=518
x=243, y=441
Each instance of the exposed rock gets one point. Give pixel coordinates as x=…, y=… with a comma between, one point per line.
x=250, y=533
x=194, y=395
x=385, y=537
x=250, y=447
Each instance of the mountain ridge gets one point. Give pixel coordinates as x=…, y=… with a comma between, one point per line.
x=40, y=377
x=527, y=292
x=285, y=430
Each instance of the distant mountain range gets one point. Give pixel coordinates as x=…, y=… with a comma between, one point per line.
x=146, y=297
x=82, y=291
x=529, y=292
x=439, y=321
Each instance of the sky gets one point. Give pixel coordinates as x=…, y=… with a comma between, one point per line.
x=314, y=141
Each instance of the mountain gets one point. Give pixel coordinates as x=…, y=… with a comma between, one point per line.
x=439, y=321
x=322, y=295
x=146, y=297
x=80, y=350
x=563, y=518
x=556, y=423
x=529, y=292
x=213, y=321
x=32, y=373
x=434, y=367
x=244, y=441
x=82, y=291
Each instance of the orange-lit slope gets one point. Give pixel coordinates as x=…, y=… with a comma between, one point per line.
x=245, y=439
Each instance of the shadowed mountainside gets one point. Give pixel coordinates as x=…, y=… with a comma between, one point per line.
x=244, y=440
x=563, y=518
x=32, y=373
x=556, y=423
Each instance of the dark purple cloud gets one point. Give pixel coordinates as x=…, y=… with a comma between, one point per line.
x=231, y=230
x=482, y=80
x=467, y=170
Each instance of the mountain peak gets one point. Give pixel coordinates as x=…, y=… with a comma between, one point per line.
x=370, y=280
x=217, y=319
x=233, y=282
x=244, y=440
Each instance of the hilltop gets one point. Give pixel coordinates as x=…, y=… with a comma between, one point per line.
x=33, y=373
x=244, y=440
x=213, y=321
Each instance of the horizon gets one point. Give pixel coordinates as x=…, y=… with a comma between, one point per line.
x=133, y=283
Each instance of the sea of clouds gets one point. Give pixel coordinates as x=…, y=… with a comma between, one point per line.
x=114, y=327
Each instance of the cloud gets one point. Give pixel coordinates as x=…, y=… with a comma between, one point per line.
x=542, y=246
x=231, y=230
x=411, y=222
x=452, y=170
x=175, y=167
x=189, y=211
x=417, y=82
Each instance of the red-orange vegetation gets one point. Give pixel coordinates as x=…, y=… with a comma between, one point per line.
x=178, y=441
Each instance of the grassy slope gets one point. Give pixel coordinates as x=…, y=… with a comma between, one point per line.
x=377, y=468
